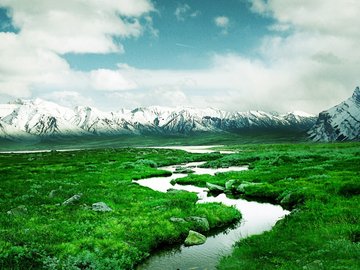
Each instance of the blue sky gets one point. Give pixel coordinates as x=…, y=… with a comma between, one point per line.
x=185, y=41
x=235, y=55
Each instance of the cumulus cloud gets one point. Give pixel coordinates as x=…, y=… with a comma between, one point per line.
x=309, y=61
x=72, y=26
x=184, y=11
x=32, y=58
x=311, y=67
x=325, y=17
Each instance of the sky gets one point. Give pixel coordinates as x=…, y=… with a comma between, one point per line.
x=235, y=55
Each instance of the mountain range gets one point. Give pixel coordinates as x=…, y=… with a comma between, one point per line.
x=34, y=119
x=39, y=118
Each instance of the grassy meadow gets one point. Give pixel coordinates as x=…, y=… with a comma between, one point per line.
x=42, y=233
x=320, y=183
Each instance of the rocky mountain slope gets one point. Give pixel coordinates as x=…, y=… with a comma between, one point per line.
x=340, y=123
x=39, y=118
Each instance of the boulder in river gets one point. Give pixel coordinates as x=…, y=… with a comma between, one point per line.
x=194, y=238
x=73, y=199
x=230, y=185
x=101, y=207
x=214, y=188
x=200, y=223
x=181, y=169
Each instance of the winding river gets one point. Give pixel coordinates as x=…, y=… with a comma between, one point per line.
x=256, y=218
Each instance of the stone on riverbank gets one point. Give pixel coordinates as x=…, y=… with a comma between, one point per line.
x=73, y=199
x=200, y=223
x=194, y=238
x=101, y=207
x=183, y=170
x=244, y=185
x=214, y=188
x=230, y=185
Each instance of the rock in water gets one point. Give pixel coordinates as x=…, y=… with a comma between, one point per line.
x=183, y=170
x=214, y=188
x=73, y=199
x=229, y=185
x=101, y=207
x=194, y=238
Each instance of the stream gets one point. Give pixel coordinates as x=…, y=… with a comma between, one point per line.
x=256, y=218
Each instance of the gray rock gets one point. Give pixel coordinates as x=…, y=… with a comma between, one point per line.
x=199, y=222
x=244, y=185
x=101, y=207
x=241, y=188
x=229, y=185
x=18, y=211
x=214, y=188
x=194, y=238
x=183, y=170
x=175, y=191
x=177, y=220
x=73, y=199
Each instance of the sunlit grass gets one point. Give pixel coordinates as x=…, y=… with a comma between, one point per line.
x=43, y=233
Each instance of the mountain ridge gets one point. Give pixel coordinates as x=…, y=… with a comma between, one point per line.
x=339, y=123
x=40, y=118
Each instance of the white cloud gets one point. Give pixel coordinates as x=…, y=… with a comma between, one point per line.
x=162, y=96
x=311, y=66
x=325, y=17
x=184, y=11
x=222, y=22
x=109, y=80
x=68, y=98
x=72, y=26
x=32, y=58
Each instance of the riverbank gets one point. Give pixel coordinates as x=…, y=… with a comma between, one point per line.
x=256, y=218
x=50, y=201
x=319, y=181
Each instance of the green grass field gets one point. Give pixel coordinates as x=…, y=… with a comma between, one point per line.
x=42, y=233
x=320, y=183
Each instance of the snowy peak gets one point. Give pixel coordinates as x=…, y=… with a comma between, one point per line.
x=42, y=118
x=339, y=123
x=356, y=95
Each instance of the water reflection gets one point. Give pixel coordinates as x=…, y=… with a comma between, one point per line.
x=256, y=218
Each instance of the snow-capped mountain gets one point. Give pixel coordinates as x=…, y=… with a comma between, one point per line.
x=339, y=123
x=39, y=118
